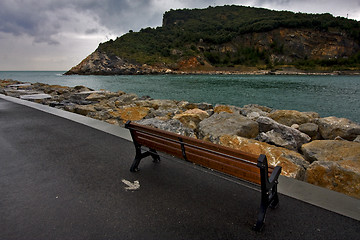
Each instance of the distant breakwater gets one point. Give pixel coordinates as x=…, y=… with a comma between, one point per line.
x=321, y=151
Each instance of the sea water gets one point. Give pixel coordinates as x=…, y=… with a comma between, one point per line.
x=328, y=95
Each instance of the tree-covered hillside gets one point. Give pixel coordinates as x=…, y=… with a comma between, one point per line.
x=233, y=36
x=221, y=24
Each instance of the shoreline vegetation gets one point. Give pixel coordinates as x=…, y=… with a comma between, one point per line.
x=320, y=151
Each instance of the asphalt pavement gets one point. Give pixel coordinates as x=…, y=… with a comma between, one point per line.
x=61, y=179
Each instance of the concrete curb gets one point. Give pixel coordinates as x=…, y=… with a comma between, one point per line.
x=321, y=197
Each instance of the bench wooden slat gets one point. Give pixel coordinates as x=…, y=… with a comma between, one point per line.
x=163, y=147
x=146, y=140
x=222, y=149
x=233, y=167
x=248, y=174
x=236, y=162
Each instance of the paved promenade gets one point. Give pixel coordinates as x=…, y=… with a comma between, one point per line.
x=64, y=176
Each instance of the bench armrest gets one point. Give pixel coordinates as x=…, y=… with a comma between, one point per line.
x=275, y=175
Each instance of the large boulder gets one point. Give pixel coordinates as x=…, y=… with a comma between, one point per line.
x=125, y=99
x=79, y=88
x=146, y=103
x=157, y=104
x=102, y=106
x=96, y=96
x=331, y=127
x=163, y=114
x=102, y=115
x=293, y=164
x=203, y=106
x=257, y=107
x=290, y=117
x=336, y=165
x=114, y=102
x=8, y=82
x=253, y=111
x=132, y=113
x=331, y=150
x=191, y=118
x=280, y=135
x=76, y=96
x=163, y=104
x=173, y=125
x=310, y=129
x=56, y=89
x=224, y=123
x=280, y=138
x=342, y=176
x=84, y=109
x=226, y=108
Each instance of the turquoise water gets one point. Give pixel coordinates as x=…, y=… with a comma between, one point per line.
x=328, y=95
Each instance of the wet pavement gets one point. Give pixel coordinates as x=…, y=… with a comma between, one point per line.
x=60, y=179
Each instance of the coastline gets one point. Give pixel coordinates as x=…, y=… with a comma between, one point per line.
x=165, y=71
x=268, y=72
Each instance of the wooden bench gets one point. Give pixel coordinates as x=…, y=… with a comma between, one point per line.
x=236, y=163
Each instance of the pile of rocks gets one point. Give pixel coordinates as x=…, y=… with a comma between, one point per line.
x=321, y=151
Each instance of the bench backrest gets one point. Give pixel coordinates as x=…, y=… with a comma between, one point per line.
x=224, y=159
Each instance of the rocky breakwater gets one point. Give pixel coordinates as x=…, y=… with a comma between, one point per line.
x=321, y=151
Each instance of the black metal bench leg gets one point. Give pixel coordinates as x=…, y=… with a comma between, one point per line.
x=155, y=156
x=261, y=219
x=140, y=155
x=275, y=201
x=268, y=200
x=135, y=165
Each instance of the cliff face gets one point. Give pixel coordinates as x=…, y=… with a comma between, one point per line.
x=101, y=63
x=293, y=44
x=192, y=41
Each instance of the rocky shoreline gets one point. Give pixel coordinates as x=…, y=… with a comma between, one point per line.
x=321, y=151
x=264, y=72
x=100, y=63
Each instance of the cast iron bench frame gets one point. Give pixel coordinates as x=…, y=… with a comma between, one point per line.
x=242, y=165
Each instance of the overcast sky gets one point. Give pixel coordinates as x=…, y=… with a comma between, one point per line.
x=58, y=34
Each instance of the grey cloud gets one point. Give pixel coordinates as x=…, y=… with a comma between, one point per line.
x=273, y=1
x=27, y=17
x=123, y=15
x=334, y=7
x=42, y=20
x=32, y=17
x=92, y=31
